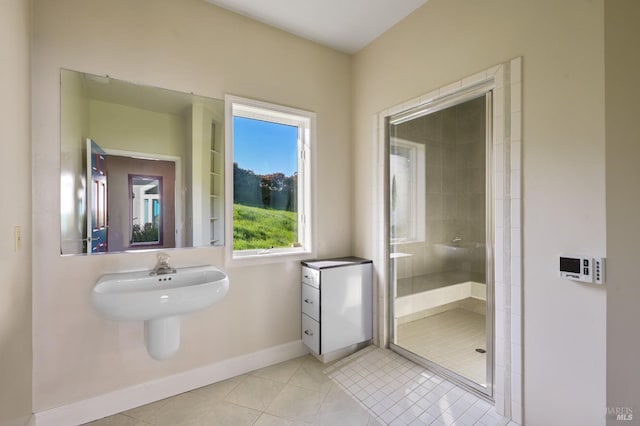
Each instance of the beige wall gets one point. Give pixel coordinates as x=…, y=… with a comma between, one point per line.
x=562, y=44
x=622, y=38
x=15, y=167
x=190, y=46
x=75, y=114
x=131, y=129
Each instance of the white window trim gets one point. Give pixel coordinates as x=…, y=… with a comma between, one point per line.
x=418, y=191
x=304, y=120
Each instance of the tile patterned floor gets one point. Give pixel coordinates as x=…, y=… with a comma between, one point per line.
x=295, y=392
x=399, y=392
x=450, y=339
x=372, y=387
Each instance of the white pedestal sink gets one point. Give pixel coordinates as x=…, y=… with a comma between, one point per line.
x=159, y=301
x=162, y=336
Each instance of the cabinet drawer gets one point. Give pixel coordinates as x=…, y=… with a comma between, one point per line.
x=311, y=333
x=311, y=301
x=311, y=277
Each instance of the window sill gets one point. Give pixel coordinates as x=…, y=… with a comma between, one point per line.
x=267, y=257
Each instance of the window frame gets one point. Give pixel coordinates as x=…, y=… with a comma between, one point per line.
x=417, y=171
x=305, y=121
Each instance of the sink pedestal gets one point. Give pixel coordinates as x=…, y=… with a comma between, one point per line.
x=162, y=336
x=159, y=301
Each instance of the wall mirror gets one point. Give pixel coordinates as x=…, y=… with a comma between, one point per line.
x=141, y=167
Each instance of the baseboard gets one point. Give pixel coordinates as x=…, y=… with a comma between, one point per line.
x=125, y=399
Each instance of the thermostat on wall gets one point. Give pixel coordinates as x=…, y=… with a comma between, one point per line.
x=580, y=268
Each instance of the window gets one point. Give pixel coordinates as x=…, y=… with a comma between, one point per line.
x=407, y=189
x=269, y=151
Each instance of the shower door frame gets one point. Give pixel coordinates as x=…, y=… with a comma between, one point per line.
x=483, y=89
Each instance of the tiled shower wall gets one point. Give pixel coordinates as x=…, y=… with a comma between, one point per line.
x=454, y=140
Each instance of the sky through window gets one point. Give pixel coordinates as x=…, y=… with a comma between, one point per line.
x=265, y=147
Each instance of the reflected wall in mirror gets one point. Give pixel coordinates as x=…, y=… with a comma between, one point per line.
x=116, y=135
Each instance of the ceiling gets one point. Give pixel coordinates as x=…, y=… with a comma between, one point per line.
x=345, y=25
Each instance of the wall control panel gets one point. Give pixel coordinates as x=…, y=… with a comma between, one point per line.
x=581, y=268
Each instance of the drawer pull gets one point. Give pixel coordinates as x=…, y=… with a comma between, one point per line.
x=307, y=276
x=309, y=301
x=308, y=333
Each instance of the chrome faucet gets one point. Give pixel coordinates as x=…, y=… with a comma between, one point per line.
x=456, y=240
x=162, y=267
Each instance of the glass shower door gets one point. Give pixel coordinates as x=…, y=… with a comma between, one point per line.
x=441, y=238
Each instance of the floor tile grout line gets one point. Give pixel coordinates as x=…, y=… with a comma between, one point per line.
x=335, y=376
x=137, y=419
x=399, y=391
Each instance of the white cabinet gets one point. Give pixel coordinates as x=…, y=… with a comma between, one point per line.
x=336, y=303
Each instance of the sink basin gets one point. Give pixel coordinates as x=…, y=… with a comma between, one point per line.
x=138, y=296
x=159, y=301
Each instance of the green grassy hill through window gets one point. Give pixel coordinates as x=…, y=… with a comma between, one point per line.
x=258, y=228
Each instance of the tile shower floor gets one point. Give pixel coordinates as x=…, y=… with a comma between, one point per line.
x=399, y=392
x=372, y=387
x=450, y=339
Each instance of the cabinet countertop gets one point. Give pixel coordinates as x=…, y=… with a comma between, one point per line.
x=335, y=262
